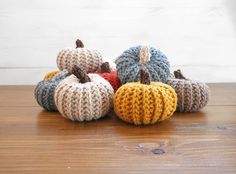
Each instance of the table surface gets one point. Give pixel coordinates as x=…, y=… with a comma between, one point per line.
x=35, y=141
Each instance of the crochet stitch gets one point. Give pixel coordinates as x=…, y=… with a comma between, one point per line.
x=110, y=76
x=129, y=63
x=144, y=102
x=89, y=60
x=192, y=95
x=51, y=74
x=84, y=97
x=44, y=91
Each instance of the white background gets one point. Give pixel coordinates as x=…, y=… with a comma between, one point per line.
x=198, y=36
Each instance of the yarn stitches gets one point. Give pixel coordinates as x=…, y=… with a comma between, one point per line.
x=89, y=60
x=44, y=91
x=192, y=95
x=84, y=101
x=129, y=63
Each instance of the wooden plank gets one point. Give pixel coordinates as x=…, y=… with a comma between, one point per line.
x=221, y=94
x=35, y=141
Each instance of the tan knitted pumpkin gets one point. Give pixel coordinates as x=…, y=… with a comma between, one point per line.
x=89, y=60
x=192, y=95
x=83, y=97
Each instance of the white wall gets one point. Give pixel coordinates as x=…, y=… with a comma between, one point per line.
x=198, y=36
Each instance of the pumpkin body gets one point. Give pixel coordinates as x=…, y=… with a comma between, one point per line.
x=128, y=65
x=89, y=60
x=112, y=78
x=44, y=91
x=51, y=74
x=192, y=95
x=138, y=103
x=84, y=101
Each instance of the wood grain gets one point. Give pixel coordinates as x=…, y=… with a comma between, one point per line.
x=35, y=141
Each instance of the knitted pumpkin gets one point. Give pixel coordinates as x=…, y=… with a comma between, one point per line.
x=110, y=76
x=89, y=60
x=51, y=74
x=144, y=102
x=129, y=63
x=192, y=95
x=44, y=91
x=84, y=97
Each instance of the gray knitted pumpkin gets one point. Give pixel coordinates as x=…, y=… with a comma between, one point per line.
x=89, y=60
x=44, y=91
x=83, y=97
x=130, y=62
x=192, y=95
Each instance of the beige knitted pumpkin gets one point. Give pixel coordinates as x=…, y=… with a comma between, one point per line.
x=89, y=60
x=82, y=97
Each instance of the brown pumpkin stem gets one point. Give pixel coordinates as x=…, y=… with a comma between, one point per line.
x=80, y=74
x=145, y=76
x=79, y=44
x=178, y=74
x=105, y=67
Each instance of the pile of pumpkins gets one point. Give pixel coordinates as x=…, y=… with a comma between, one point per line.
x=141, y=90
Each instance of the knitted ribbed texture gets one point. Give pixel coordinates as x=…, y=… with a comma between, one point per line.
x=44, y=91
x=84, y=101
x=192, y=95
x=89, y=60
x=51, y=74
x=110, y=76
x=129, y=63
x=144, y=104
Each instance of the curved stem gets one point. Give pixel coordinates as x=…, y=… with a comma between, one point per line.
x=178, y=74
x=80, y=74
x=145, y=76
x=105, y=67
x=79, y=44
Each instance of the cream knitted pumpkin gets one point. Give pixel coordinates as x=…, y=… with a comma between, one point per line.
x=89, y=60
x=82, y=97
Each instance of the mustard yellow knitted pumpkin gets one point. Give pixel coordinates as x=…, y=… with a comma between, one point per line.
x=51, y=74
x=145, y=102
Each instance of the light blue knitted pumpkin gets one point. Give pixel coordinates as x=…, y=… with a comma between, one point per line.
x=44, y=91
x=130, y=61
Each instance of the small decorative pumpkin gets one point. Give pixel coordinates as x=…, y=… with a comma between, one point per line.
x=84, y=97
x=44, y=91
x=192, y=95
x=110, y=76
x=129, y=63
x=51, y=74
x=89, y=60
x=144, y=102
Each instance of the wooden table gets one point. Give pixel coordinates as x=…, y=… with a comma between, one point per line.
x=35, y=141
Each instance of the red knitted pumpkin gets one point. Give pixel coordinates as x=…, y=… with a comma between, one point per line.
x=110, y=76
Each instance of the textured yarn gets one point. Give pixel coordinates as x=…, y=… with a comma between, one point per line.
x=89, y=60
x=51, y=74
x=44, y=91
x=192, y=95
x=138, y=103
x=129, y=63
x=112, y=78
x=84, y=101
